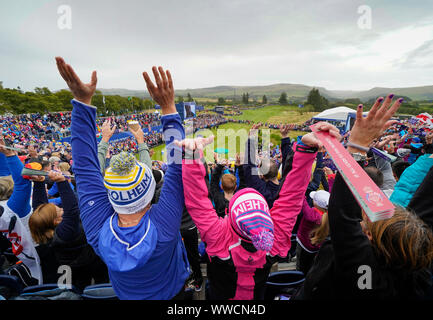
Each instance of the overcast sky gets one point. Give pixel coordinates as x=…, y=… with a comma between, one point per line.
x=219, y=42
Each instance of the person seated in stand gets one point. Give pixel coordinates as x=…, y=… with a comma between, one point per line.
x=398, y=168
x=108, y=129
x=410, y=180
x=263, y=179
x=314, y=225
x=60, y=237
x=312, y=217
x=16, y=194
x=244, y=245
x=15, y=210
x=286, y=145
x=313, y=229
x=139, y=242
x=53, y=192
x=228, y=185
x=428, y=146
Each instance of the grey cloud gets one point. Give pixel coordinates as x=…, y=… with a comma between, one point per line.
x=421, y=57
x=204, y=42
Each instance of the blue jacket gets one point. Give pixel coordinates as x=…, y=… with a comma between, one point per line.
x=410, y=180
x=148, y=261
x=19, y=202
x=268, y=189
x=4, y=169
x=55, y=190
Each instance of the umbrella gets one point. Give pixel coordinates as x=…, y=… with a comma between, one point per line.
x=221, y=151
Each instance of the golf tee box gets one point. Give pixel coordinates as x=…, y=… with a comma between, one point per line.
x=372, y=200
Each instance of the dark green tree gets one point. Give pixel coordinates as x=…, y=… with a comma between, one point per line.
x=354, y=101
x=148, y=104
x=43, y=91
x=318, y=102
x=245, y=98
x=283, y=99
x=97, y=101
x=65, y=97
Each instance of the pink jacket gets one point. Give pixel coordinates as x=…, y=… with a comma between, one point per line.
x=311, y=219
x=223, y=242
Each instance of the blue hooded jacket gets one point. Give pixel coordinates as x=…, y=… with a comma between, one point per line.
x=410, y=180
x=148, y=261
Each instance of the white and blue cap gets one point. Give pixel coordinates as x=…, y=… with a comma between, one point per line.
x=130, y=184
x=321, y=198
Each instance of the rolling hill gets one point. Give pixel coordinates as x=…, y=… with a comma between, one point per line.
x=295, y=92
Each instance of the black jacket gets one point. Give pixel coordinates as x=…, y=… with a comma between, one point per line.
x=69, y=245
x=336, y=269
x=221, y=204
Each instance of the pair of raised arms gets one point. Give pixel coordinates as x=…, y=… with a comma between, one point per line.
x=363, y=133
x=162, y=93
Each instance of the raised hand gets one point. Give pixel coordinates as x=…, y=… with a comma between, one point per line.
x=37, y=178
x=56, y=176
x=32, y=151
x=215, y=157
x=429, y=138
x=194, y=144
x=138, y=134
x=254, y=129
x=328, y=171
x=383, y=142
x=256, y=126
x=81, y=92
x=6, y=152
x=311, y=140
x=163, y=92
x=238, y=160
x=378, y=120
x=107, y=130
x=284, y=130
x=224, y=162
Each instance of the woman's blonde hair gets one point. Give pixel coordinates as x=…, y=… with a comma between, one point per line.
x=6, y=187
x=42, y=223
x=320, y=233
x=404, y=240
x=64, y=166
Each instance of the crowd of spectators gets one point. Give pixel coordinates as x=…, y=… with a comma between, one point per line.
x=135, y=224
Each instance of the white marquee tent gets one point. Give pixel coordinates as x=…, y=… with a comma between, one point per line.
x=336, y=114
x=343, y=117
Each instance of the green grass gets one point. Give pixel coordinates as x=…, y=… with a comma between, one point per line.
x=276, y=114
x=232, y=136
x=158, y=153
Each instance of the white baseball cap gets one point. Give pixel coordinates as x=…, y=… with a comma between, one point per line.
x=321, y=198
x=402, y=152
